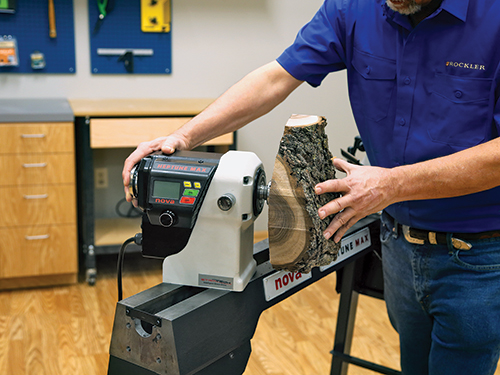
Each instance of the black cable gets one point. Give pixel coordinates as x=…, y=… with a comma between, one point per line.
x=121, y=255
x=131, y=212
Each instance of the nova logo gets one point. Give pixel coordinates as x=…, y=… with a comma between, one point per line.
x=288, y=278
x=165, y=201
x=282, y=281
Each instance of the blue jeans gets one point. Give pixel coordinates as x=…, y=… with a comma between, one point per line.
x=445, y=304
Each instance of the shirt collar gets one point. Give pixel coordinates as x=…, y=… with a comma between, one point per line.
x=457, y=8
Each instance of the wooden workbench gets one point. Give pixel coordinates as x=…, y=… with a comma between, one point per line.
x=137, y=107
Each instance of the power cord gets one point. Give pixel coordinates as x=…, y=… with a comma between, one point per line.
x=131, y=211
x=121, y=255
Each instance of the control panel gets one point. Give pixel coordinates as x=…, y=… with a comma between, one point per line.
x=170, y=188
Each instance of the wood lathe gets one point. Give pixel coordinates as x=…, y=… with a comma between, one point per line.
x=199, y=211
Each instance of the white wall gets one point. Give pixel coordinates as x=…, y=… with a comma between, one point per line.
x=214, y=43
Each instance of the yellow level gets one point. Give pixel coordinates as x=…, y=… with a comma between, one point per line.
x=155, y=16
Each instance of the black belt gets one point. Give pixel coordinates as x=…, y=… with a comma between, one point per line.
x=458, y=240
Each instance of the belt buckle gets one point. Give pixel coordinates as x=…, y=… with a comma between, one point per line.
x=409, y=238
x=460, y=244
x=432, y=237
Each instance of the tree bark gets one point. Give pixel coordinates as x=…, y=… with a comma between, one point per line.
x=296, y=241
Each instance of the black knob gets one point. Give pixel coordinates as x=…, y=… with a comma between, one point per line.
x=168, y=218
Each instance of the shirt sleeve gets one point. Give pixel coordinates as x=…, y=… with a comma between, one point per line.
x=319, y=47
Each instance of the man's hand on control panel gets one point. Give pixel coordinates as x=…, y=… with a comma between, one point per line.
x=167, y=145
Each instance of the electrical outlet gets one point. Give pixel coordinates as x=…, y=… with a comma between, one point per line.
x=101, y=178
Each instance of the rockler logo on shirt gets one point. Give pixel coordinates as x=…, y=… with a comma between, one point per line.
x=464, y=65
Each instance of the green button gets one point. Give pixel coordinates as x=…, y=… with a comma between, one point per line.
x=191, y=192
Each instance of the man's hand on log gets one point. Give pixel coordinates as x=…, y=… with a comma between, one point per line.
x=365, y=190
x=167, y=145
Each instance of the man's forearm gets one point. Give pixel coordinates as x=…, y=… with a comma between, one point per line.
x=466, y=172
x=366, y=190
x=255, y=95
x=250, y=98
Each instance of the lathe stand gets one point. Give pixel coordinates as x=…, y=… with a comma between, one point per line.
x=179, y=330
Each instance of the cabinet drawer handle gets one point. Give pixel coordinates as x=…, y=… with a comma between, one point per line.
x=34, y=165
x=32, y=135
x=41, y=196
x=39, y=237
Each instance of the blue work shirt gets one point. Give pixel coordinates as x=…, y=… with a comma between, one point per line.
x=417, y=93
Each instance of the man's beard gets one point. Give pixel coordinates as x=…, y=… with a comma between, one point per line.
x=405, y=7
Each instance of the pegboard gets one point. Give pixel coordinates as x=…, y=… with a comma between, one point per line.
x=30, y=26
x=121, y=30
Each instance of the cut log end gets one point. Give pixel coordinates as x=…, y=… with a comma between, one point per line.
x=288, y=226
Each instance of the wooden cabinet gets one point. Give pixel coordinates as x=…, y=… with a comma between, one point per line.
x=114, y=124
x=38, y=228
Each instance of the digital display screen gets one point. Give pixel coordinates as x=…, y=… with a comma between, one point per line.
x=166, y=189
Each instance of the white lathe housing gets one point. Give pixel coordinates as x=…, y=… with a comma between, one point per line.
x=219, y=253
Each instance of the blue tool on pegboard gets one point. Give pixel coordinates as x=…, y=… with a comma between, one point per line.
x=37, y=36
x=119, y=46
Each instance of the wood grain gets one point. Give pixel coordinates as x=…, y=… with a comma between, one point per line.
x=129, y=132
x=35, y=169
x=27, y=251
x=289, y=225
x=138, y=106
x=38, y=224
x=36, y=138
x=67, y=330
x=37, y=205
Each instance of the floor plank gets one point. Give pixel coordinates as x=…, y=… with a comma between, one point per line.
x=67, y=329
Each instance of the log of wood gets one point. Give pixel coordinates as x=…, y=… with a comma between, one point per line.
x=296, y=241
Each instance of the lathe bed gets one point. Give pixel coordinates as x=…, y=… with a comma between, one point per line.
x=180, y=330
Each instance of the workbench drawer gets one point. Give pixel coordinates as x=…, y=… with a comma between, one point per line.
x=37, y=169
x=37, y=138
x=129, y=132
x=38, y=250
x=37, y=205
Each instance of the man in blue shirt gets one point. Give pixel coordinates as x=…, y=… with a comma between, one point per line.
x=424, y=85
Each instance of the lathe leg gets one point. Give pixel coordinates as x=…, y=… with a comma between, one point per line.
x=349, y=287
x=345, y=320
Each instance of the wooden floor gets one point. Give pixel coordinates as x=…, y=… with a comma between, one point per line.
x=66, y=330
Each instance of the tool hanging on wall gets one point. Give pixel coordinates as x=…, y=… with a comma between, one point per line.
x=104, y=6
x=8, y=6
x=37, y=60
x=52, y=20
x=125, y=55
x=155, y=16
x=8, y=51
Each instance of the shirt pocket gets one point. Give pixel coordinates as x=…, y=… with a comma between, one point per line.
x=459, y=110
x=374, y=81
